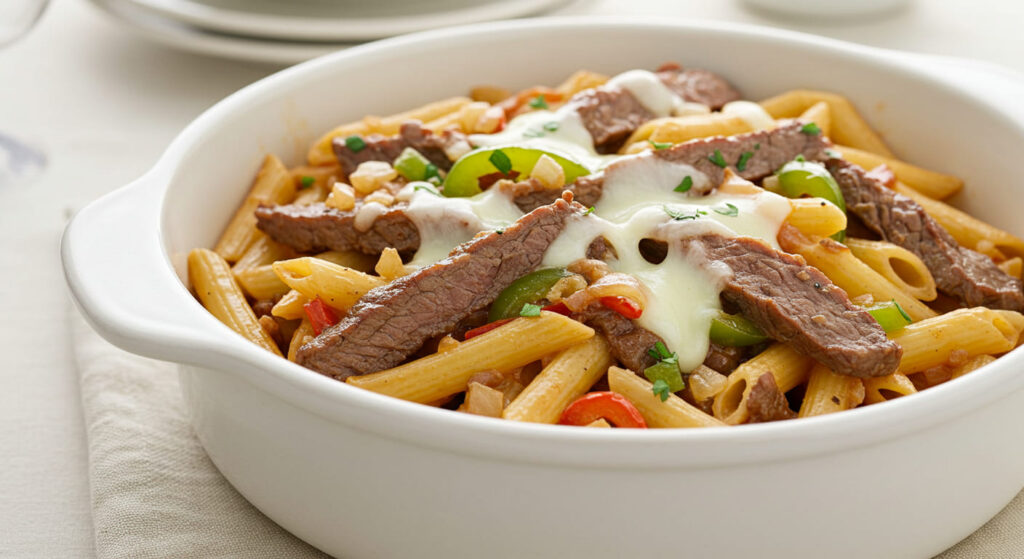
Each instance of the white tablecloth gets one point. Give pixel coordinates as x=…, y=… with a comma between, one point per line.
x=103, y=104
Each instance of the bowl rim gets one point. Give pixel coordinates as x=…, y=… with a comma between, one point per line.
x=598, y=448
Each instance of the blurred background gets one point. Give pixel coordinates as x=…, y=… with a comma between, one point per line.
x=92, y=92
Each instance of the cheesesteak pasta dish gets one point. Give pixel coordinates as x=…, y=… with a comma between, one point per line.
x=644, y=250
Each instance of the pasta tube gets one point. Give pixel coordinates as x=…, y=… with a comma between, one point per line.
x=881, y=389
x=290, y=307
x=819, y=114
x=676, y=130
x=787, y=366
x=302, y=335
x=261, y=282
x=213, y=282
x=567, y=377
x=515, y=344
x=673, y=412
x=829, y=392
x=975, y=331
x=273, y=185
x=338, y=286
x=261, y=252
x=896, y=264
x=815, y=217
x=936, y=185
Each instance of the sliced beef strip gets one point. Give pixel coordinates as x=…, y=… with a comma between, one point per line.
x=770, y=150
x=390, y=322
x=723, y=359
x=699, y=86
x=766, y=402
x=969, y=276
x=628, y=342
x=610, y=114
x=317, y=227
x=798, y=305
x=387, y=148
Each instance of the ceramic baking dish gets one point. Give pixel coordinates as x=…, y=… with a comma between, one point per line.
x=362, y=475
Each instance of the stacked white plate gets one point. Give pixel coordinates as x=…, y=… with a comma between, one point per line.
x=290, y=31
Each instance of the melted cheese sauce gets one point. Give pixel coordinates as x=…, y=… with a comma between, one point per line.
x=638, y=202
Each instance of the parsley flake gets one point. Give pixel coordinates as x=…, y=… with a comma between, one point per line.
x=659, y=145
x=355, y=143
x=744, y=158
x=687, y=184
x=659, y=351
x=680, y=216
x=800, y=158
x=431, y=171
x=551, y=126
x=811, y=129
x=903, y=313
x=718, y=159
x=660, y=389
x=500, y=161
x=757, y=146
x=499, y=231
x=425, y=189
x=539, y=102
x=306, y=181
x=530, y=309
x=730, y=210
x=589, y=211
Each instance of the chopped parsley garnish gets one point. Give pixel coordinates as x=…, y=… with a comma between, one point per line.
x=551, y=126
x=355, y=143
x=680, y=216
x=757, y=146
x=306, y=181
x=431, y=172
x=425, y=189
x=499, y=231
x=660, y=389
x=539, y=102
x=659, y=145
x=718, y=159
x=730, y=210
x=589, y=211
x=500, y=161
x=661, y=353
x=744, y=158
x=903, y=313
x=529, y=309
x=811, y=129
x=687, y=184
x=800, y=158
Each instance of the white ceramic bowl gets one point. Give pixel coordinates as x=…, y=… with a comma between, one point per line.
x=361, y=475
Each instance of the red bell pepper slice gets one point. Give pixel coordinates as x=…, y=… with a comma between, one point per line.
x=486, y=328
x=615, y=408
x=623, y=306
x=559, y=308
x=320, y=315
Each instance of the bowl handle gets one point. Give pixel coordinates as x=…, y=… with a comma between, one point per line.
x=120, y=276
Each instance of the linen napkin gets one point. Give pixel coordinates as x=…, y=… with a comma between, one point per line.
x=155, y=493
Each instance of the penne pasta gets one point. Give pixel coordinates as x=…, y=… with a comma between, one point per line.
x=676, y=130
x=787, y=366
x=303, y=334
x=261, y=252
x=290, y=307
x=898, y=265
x=515, y=344
x=273, y=185
x=338, y=286
x=816, y=217
x=261, y=282
x=829, y=392
x=974, y=331
x=885, y=388
x=566, y=377
x=972, y=364
x=217, y=290
x=673, y=412
x=578, y=81
x=969, y=231
x=935, y=185
x=850, y=274
x=847, y=126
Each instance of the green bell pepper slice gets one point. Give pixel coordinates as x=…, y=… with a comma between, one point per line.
x=668, y=372
x=527, y=289
x=464, y=178
x=800, y=178
x=890, y=316
x=734, y=331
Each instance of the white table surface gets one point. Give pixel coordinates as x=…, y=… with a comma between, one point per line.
x=103, y=104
